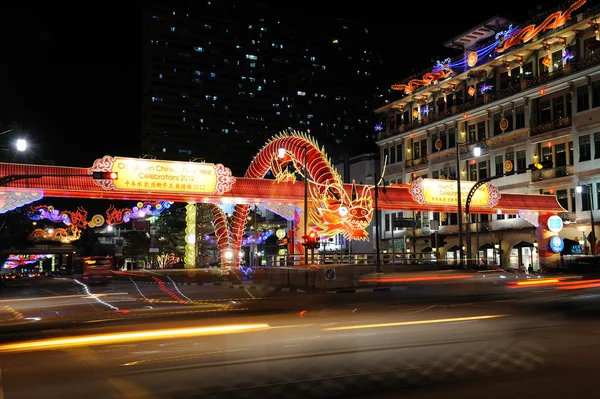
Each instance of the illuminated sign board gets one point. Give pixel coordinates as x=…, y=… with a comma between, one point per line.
x=164, y=176
x=555, y=224
x=556, y=244
x=445, y=192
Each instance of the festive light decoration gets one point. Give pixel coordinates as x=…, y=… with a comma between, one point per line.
x=485, y=87
x=262, y=237
x=221, y=225
x=326, y=189
x=329, y=220
x=10, y=200
x=553, y=21
x=504, y=40
x=567, y=55
x=64, y=235
x=443, y=69
x=190, y=230
x=378, y=127
x=546, y=61
x=426, y=80
x=286, y=211
x=96, y=221
x=141, y=210
x=48, y=212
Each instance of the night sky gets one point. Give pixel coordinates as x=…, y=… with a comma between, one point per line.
x=72, y=77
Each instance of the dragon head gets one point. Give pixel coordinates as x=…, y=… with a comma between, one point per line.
x=338, y=213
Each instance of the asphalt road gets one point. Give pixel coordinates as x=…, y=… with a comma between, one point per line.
x=537, y=343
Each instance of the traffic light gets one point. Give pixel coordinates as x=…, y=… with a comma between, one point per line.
x=311, y=241
x=540, y=165
x=105, y=175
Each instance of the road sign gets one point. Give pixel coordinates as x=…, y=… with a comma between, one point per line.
x=330, y=274
x=556, y=244
x=555, y=224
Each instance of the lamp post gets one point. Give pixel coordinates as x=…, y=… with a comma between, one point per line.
x=377, y=255
x=580, y=189
x=476, y=153
x=459, y=215
x=281, y=154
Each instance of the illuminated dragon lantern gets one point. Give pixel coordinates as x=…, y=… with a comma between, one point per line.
x=437, y=73
x=333, y=211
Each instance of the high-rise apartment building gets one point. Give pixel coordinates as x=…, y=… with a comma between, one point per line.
x=523, y=93
x=222, y=77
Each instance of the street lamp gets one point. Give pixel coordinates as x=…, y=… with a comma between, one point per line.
x=476, y=152
x=281, y=154
x=579, y=189
x=376, y=195
x=20, y=144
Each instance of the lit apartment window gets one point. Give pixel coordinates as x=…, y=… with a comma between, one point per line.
x=199, y=49
x=301, y=93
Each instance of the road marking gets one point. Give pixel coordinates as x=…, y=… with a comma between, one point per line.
x=50, y=292
x=415, y=322
x=41, y=298
x=248, y=292
x=130, y=390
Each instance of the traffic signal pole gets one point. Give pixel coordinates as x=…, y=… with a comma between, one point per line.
x=534, y=166
x=4, y=180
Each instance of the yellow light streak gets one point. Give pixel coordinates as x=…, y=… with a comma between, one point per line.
x=415, y=322
x=104, y=339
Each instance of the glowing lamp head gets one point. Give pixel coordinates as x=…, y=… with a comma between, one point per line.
x=579, y=189
x=281, y=152
x=477, y=151
x=21, y=145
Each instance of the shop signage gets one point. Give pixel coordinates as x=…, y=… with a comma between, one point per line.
x=164, y=176
x=445, y=192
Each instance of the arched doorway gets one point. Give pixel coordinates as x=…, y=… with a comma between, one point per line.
x=523, y=255
x=428, y=255
x=487, y=255
x=452, y=255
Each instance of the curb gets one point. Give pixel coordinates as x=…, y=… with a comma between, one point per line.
x=233, y=286
x=361, y=290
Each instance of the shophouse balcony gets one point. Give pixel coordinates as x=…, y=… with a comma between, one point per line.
x=551, y=125
x=500, y=140
x=417, y=163
x=490, y=98
x=554, y=173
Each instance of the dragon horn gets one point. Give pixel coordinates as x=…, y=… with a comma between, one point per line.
x=354, y=196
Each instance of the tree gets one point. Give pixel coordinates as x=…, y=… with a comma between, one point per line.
x=171, y=226
x=137, y=245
